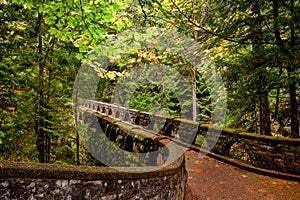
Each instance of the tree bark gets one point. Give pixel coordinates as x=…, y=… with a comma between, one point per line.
x=266, y=120
x=40, y=134
x=292, y=83
x=264, y=108
x=194, y=82
x=293, y=104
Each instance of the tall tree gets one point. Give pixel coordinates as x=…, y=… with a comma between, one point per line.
x=253, y=41
x=43, y=43
x=286, y=40
x=268, y=27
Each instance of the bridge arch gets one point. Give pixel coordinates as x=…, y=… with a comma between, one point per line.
x=126, y=117
x=117, y=114
x=238, y=150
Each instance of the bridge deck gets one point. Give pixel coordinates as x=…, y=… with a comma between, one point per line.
x=210, y=179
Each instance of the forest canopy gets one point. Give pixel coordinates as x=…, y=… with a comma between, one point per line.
x=253, y=44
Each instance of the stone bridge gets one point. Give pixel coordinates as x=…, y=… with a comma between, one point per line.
x=265, y=152
x=141, y=175
x=163, y=180
x=132, y=116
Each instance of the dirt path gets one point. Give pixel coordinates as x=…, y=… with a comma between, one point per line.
x=210, y=179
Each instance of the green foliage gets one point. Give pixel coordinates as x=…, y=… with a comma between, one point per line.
x=255, y=45
x=154, y=81
x=252, y=59
x=199, y=140
x=41, y=44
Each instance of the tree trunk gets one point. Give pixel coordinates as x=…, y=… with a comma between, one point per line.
x=278, y=63
x=293, y=104
x=292, y=83
x=266, y=120
x=264, y=108
x=289, y=52
x=194, y=82
x=40, y=134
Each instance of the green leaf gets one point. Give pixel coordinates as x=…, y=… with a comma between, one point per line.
x=79, y=56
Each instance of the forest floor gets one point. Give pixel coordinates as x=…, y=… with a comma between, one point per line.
x=210, y=179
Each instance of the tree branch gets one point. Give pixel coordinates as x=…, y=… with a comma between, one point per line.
x=82, y=17
x=213, y=33
x=142, y=6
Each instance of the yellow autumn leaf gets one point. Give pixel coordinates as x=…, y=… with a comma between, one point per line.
x=156, y=60
x=150, y=55
x=113, y=75
x=3, y=2
x=283, y=36
x=288, y=16
x=132, y=60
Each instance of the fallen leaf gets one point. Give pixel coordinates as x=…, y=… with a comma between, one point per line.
x=250, y=190
x=205, y=157
x=262, y=190
x=197, y=162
